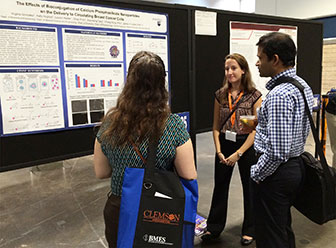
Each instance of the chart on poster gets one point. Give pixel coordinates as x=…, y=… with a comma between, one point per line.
x=63, y=65
x=92, y=90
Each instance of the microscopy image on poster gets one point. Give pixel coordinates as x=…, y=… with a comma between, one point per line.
x=28, y=45
x=88, y=45
x=92, y=89
x=31, y=100
x=79, y=112
x=154, y=43
x=84, y=111
x=97, y=110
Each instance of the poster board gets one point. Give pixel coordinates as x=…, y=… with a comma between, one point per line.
x=74, y=137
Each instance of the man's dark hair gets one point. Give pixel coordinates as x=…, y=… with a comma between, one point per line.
x=280, y=44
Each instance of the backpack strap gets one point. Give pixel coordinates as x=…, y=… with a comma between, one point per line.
x=324, y=163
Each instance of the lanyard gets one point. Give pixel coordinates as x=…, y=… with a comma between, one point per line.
x=233, y=117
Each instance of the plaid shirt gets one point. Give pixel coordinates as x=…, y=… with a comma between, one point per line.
x=282, y=127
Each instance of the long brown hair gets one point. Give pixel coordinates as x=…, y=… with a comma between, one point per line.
x=142, y=107
x=246, y=80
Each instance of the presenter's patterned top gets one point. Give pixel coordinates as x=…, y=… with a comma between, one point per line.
x=174, y=135
x=245, y=107
x=283, y=125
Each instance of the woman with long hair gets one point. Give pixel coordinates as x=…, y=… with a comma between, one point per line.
x=233, y=143
x=141, y=112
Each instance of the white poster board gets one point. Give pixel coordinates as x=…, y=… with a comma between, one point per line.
x=205, y=23
x=243, y=39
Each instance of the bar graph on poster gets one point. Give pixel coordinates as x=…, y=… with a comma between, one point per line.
x=84, y=83
x=66, y=69
x=92, y=90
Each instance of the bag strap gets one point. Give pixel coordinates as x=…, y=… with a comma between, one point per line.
x=152, y=149
x=323, y=160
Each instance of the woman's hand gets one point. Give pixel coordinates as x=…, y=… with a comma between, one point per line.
x=231, y=161
x=221, y=157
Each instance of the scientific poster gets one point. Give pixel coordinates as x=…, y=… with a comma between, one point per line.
x=243, y=39
x=63, y=65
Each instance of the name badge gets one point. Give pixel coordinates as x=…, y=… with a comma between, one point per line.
x=230, y=136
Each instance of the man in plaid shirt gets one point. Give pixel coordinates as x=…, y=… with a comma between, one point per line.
x=280, y=137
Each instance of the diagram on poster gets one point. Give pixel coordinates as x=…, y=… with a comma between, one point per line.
x=63, y=65
x=243, y=39
x=31, y=100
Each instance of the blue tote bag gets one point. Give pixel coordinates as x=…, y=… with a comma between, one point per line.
x=158, y=209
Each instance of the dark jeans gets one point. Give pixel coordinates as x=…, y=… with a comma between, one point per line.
x=111, y=218
x=272, y=199
x=223, y=173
